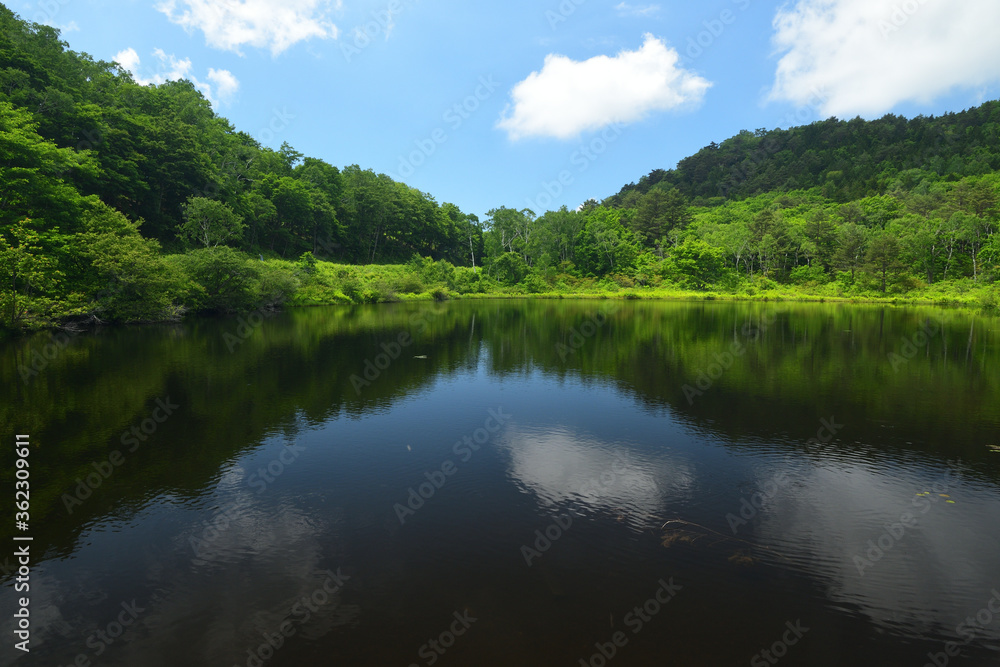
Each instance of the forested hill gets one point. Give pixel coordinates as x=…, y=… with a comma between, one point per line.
x=847, y=160
x=78, y=136
x=124, y=202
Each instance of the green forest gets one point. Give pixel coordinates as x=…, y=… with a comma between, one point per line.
x=121, y=202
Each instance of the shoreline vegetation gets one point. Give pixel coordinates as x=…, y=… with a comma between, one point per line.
x=312, y=283
x=130, y=203
x=398, y=283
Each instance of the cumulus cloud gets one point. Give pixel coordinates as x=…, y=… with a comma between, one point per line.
x=568, y=97
x=863, y=57
x=271, y=24
x=219, y=89
x=128, y=59
x=225, y=84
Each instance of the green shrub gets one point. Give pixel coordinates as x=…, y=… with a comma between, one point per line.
x=276, y=285
x=127, y=279
x=307, y=264
x=533, y=284
x=808, y=275
x=466, y=280
x=509, y=269
x=220, y=280
x=989, y=300
x=621, y=280
x=764, y=283
x=409, y=284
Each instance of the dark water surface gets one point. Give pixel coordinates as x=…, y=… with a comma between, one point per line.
x=513, y=483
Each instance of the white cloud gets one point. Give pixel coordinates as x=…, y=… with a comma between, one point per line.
x=219, y=89
x=128, y=59
x=568, y=97
x=866, y=56
x=226, y=84
x=625, y=9
x=63, y=29
x=272, y=24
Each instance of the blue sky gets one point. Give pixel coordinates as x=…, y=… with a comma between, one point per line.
x=540, y=104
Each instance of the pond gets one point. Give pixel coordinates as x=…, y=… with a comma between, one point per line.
x=513, y=483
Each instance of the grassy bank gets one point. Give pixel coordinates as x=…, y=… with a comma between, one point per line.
x=343, y=284
x=224, y=281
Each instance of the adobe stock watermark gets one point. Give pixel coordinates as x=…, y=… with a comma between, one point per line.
x=749, y=507
x=578, y=336
x=305, y=607
x=47, y=10
x=755, y=503
x=380, y=25
x=893, y=533
x=582, y=158
x=99, y=640
x=279, y=122
x=40, y=359
x=237, y=169
x=546, y=537
x=770, y=145
x=328, y=245
x=911, y=346
x=779, y=649
x=697, y=45
x=900, y=16
x=225, y=517
x=594, y=487
x=373, y=368
x=436, y=479
x=635, y=620
x=134, y=438
x=455, y=116
x=707, y=377
x=562, y=12
x=967, y=630
x=246, y=327
x=435, y=648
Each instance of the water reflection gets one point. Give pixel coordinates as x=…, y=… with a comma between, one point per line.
x=564, y=468
x=886, y=541
x=277, y=474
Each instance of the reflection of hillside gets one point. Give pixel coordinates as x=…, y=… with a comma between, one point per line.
x=814, y=360
x=295, y=367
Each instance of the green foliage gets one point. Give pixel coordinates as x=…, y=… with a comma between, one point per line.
x=133, y=282
x=891, y=205
x=990, y=300
x=843, y=160
x=277, y=283
x=466, y=280
x=220, y=280
x=882, y=258
x=695, y=264
x=208, y=222
x=534, y=284
x=28, y=276
x=509, y=268
x=307, y=264
x=808, y=275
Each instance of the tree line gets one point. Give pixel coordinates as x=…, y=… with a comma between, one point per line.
x=129, y=202
x=924, y=230
x=94, y=166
